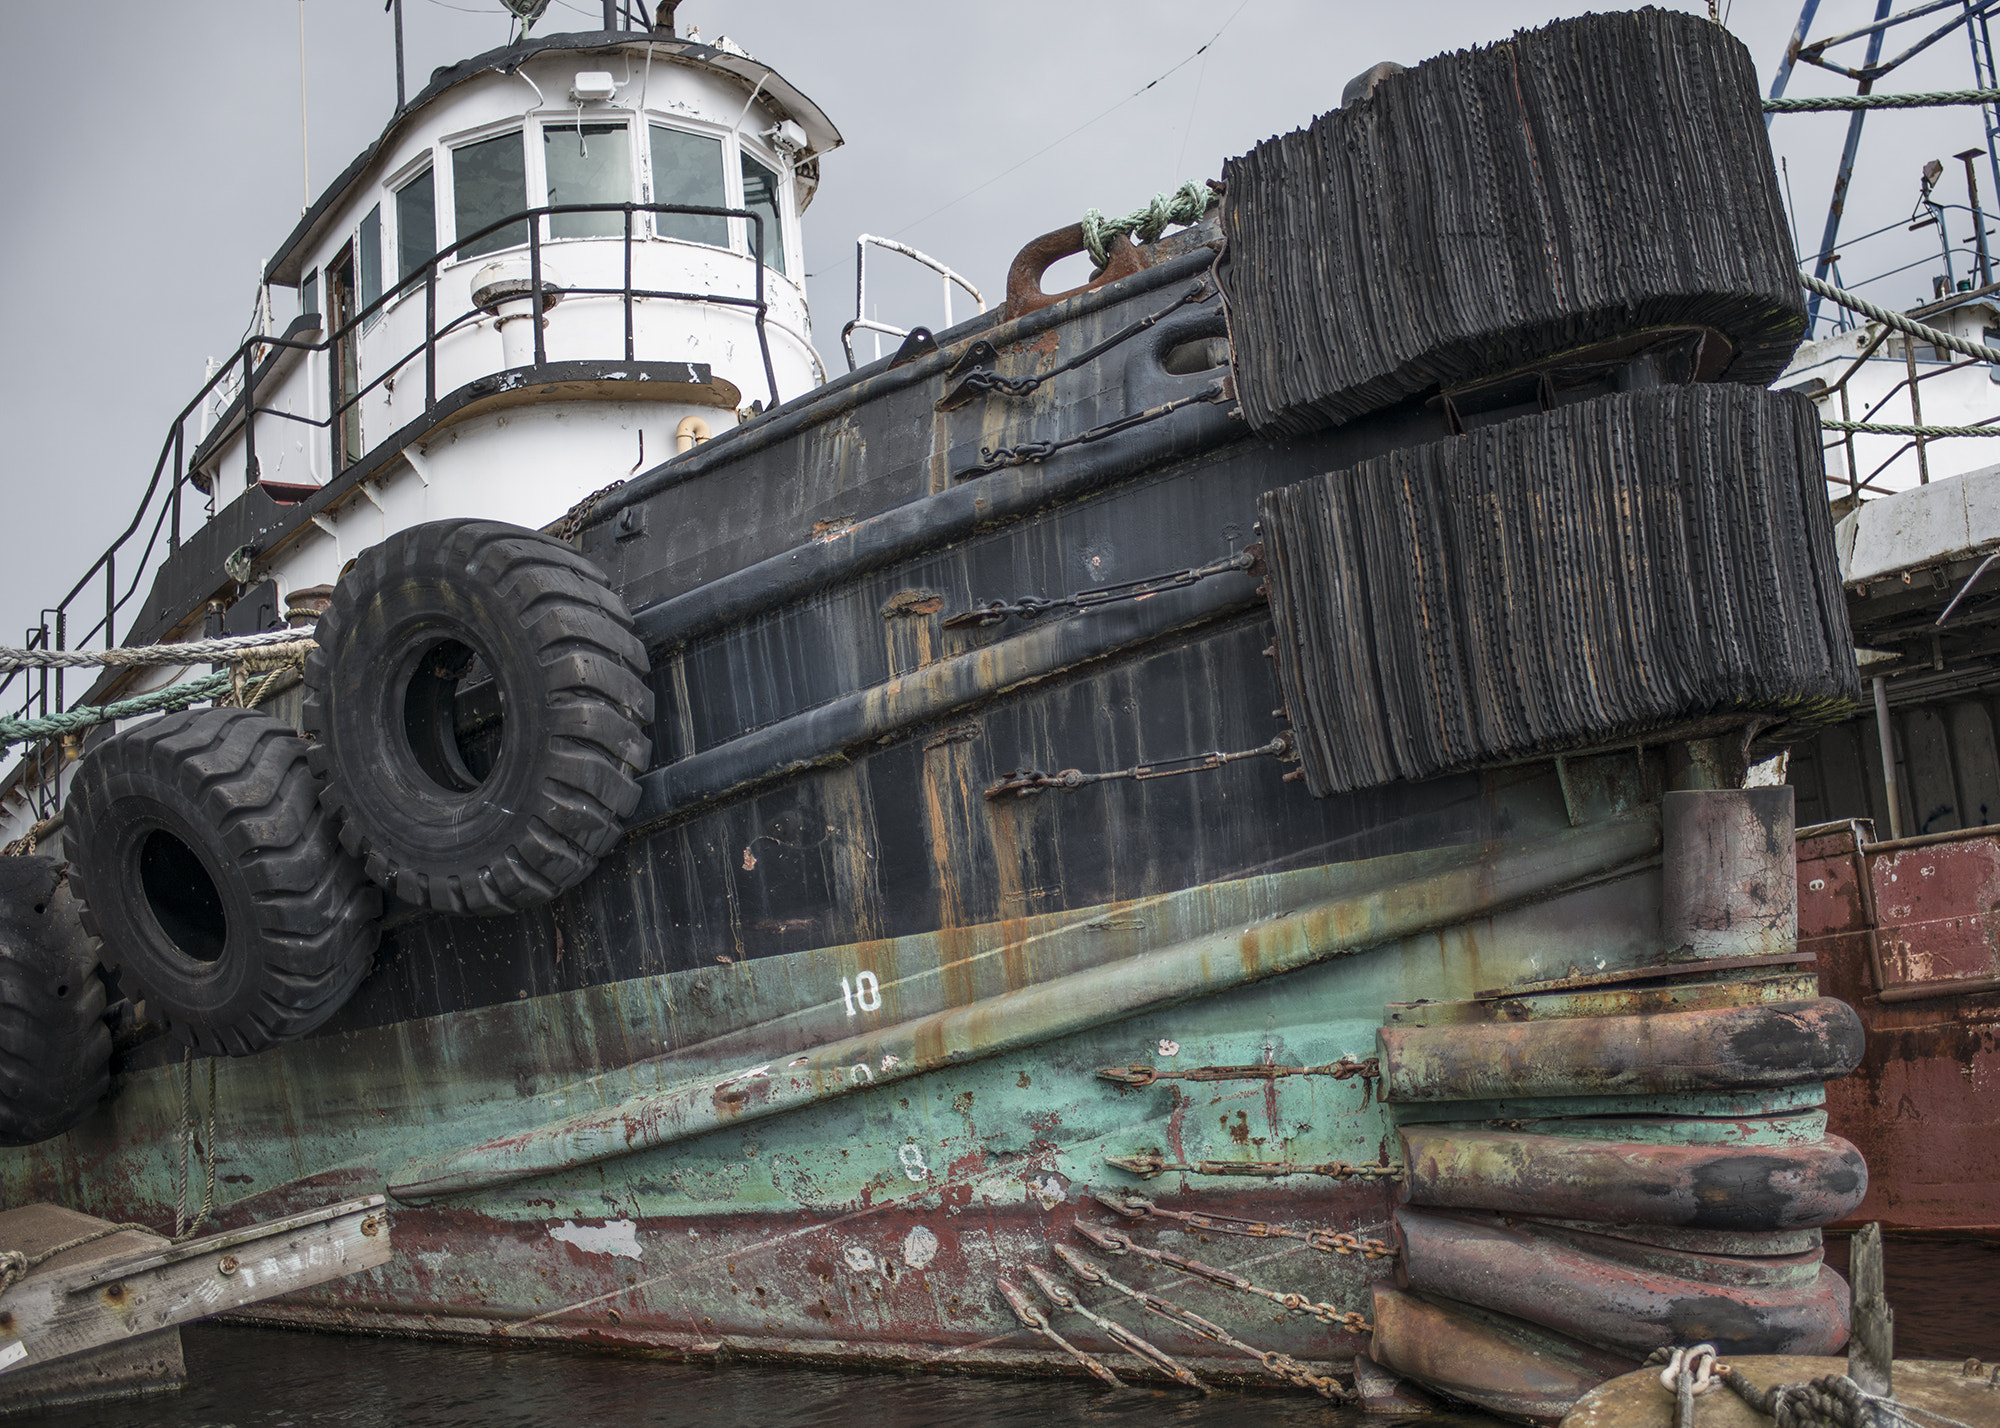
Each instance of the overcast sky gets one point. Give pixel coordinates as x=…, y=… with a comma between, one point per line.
x=154, y=163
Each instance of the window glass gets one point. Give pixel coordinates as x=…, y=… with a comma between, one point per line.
x=587, y=164
x=760, y=196
x=489, y=180
x=309, y=294
x=416, y=225
x=368, y=257
x=687, y=168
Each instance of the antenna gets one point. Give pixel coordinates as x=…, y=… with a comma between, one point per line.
x=397, y=6
x=305, y=149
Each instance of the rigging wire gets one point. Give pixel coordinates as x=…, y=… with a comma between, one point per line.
x=953, y=203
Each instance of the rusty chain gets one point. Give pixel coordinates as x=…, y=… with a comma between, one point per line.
x=1113, y=1242
x=1148, y=1164
x=1342, y=1070
x=1033, y=781
x=1276, y=1364
x=1057, y=1294
x=996, y=459
x=1138, y=1207
x=975, y=378
x=1033, y=1320
x=1029, y=606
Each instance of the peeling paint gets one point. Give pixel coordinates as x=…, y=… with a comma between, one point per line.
x=619, y=1237
x=920, y=1247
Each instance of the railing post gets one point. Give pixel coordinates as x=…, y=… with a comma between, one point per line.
x=336, y=418
x=535, y=286
x=250, y=472
x=628, y=282
x=763, y=340
x=62, y=643
x=110, y=597
x=430, y=337
x=1853, y=472
x=174, y=531
x=1916, y=408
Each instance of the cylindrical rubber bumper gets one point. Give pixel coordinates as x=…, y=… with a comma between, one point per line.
x=1716, y=1187
x=1619, y=1304
x=1716, y=1049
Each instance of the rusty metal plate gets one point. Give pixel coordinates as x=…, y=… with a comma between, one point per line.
x=1938, y=918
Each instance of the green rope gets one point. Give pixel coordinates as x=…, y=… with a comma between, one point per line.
x=1884, y=101
x=174, y=696
x=1185, y=204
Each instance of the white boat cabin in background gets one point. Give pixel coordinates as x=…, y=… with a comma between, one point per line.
x=630, y=179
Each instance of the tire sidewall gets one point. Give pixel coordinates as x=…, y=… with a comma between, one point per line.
x=364, y=719
x=135, y=941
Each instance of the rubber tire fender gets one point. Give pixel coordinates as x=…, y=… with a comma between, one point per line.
x=285, y=927
x=575, y=707
x=55, y=1048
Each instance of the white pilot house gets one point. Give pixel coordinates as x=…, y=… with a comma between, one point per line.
x=633, y=184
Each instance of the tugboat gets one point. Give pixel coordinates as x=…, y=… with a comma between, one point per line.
x=1214, y=826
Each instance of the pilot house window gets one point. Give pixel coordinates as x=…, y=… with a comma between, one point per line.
x=416, y=225
x=368, y=257
x=687, y=168
x=760, y=196
x=589, y=163
x=489, y=180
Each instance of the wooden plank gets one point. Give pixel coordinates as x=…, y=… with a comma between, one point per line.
x=63, y=1310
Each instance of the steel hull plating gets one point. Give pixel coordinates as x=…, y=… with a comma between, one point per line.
x=870, y=1225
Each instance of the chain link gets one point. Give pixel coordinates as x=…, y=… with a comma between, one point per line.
x=1149, y=1164
x=1140, y=1075
x=1112, y=1242
x=1276, y=1364
x=1029, y=606
x=1138, y=1207
x=1028, y=782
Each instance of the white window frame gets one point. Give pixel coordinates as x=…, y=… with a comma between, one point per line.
x=732, y=179
x=392, y=226
x=538, y=163
x=445, y=163
x=787, y=211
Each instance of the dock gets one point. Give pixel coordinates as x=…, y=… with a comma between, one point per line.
x=93, y=1309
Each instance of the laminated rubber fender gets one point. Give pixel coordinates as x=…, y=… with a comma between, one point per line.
x=55, y=1048
x=217, y=883
x=480, y=711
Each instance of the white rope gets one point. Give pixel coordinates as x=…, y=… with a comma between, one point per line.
x=1698, y=1362
x=1901, y=323
x=188, y=652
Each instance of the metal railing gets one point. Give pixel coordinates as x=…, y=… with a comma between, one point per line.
x=864, y=323
x=1912, y=380
x=172, y=473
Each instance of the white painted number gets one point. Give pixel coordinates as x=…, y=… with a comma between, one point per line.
x=866, y=992
x=912, y=1156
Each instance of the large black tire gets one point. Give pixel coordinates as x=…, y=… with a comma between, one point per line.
x=205, y=863
x=55, y=1049
x=437, y=635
